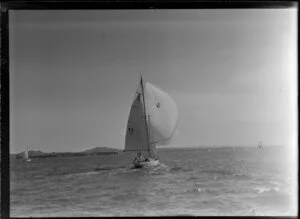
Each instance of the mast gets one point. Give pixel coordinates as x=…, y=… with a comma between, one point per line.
x=142, y=84
x=26, y=152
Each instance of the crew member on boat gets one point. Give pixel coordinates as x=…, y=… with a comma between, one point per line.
x=139, y=158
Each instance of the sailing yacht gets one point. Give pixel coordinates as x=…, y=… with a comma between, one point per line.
x=152, y=120
x=260, y=146
x=26, y=155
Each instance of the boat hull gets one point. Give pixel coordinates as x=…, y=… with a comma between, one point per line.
x=27, y=160
x=143, y=164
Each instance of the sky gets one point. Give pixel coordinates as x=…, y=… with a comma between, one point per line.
x=73, y=75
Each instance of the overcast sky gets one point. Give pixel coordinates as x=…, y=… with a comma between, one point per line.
x=73, y=75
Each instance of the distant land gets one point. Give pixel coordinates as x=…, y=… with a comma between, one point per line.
x=89, y=152
x=111, y=151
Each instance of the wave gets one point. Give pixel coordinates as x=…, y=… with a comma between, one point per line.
x=241, y=176
x=266, y=189
x=104, y=168
x=196, y=190
x=97, y=187
x=80, y=174
x=101, y=170
x=177, y=169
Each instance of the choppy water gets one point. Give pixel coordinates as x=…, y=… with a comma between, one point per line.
x=215, y=181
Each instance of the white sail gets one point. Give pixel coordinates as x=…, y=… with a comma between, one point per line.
x=26, y=154
x=260, y=145
x=136, y=135
x=162, y=114
x=153, y=119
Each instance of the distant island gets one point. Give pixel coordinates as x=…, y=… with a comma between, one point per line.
x=112, y=151
x=89, y=152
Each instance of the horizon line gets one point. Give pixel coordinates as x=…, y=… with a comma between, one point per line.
x=162, y=147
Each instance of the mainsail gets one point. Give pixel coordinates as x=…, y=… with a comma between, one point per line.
x=153, y=119
x=26, y=156
x=136, y=135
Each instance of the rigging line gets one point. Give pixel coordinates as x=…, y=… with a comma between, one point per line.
x=143, y=93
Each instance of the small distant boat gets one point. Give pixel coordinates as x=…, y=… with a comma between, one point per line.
x=260, y=146
x=26, y=155
x=152, y=119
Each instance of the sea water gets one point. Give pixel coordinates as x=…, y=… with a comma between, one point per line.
x=194, y=181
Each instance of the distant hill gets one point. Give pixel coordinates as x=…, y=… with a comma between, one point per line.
x=100, y=150
x=92, y=151
x=31, y=153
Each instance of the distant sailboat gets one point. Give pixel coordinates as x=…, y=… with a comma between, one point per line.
x=260, y=146
x=26, y=155
x=153, y=119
